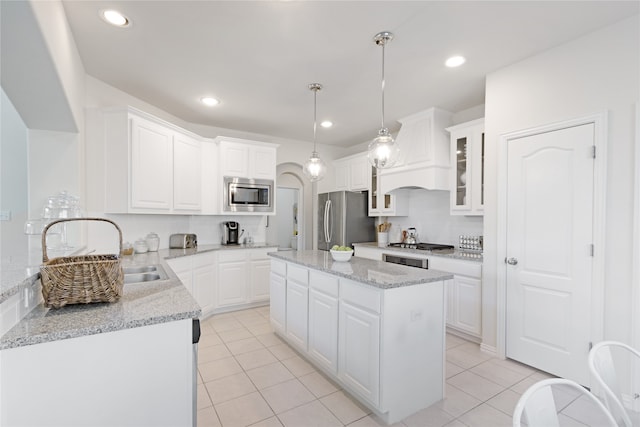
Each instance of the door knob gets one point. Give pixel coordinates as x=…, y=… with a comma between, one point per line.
x=511, y=261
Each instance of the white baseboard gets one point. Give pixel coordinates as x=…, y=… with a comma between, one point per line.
x=491, y=349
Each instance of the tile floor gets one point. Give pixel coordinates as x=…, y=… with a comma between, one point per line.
x=250, y=377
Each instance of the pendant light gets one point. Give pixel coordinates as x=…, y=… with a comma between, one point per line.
x=314, y=168
x=383, y=151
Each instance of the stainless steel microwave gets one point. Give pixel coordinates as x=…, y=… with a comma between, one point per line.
x=247, y=195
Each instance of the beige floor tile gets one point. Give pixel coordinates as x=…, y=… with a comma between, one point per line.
x=457, y=402
x=268, y=375
x=214, y=352
x=432, y=416
x=464, y=358
x=451, y=369
x=253, y=320
x=243, y=411
x=235, y=335
x=255, y=359
x=226, y=324
x=260, y=329
x=475, y=385
x=566, y=421
x=269, y=422
x=230, y=387
x=282, y=351
x=312, y=414
x=219, y=368
x=585, y=411
x=486, y=416
x=522, y=386
x=318, y=384
x=287, y=395
x=455, y=423
x=372, y=421
x=498, y=374
x=207, y=417
x=505, y=401
x=203, y=400
x=298, y=366
x=269, y=339
x=344, y=407
x=209, y=340
x=244, y=346
x=513, y=365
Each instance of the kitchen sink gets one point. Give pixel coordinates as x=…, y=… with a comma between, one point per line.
x=143, y=274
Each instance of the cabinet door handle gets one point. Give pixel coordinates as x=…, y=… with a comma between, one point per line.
x=511, y=261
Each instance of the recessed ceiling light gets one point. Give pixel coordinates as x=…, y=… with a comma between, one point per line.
x=326, y=124
x=455, y=61
x=209, y=101
x=114, y=17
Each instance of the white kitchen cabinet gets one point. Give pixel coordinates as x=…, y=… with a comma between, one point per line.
x=467, y=171
x=323, y=320
x=187, y=176
x=278, y=296
x=359, y=363
x=259, y=268
x=198, y=274
x=464, y=294
x=232, y=278
x=424, y=153
x=151, y=166
x=246, y=159
x=297, y=306
x=351, y=173
x=380, y=204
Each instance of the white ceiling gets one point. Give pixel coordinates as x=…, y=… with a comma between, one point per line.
x=258, y=57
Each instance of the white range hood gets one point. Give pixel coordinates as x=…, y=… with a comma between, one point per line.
x=424, y=153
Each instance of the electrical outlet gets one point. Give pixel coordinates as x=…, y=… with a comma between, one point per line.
x=5, y=215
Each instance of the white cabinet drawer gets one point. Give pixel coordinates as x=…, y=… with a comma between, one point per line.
x=298, y=274
x=324, y=283
x=232, y=255
x=279, y=267
x=456, y=266
x=361, y=295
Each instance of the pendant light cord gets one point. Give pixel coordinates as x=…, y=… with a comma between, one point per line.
x=382, y=124
x=315, y=115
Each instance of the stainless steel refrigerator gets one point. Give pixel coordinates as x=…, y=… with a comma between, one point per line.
x=343, y=219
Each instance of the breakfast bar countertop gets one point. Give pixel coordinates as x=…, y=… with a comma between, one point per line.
x=380, y=274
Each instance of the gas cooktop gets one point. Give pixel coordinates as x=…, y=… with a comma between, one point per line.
x=422, y=246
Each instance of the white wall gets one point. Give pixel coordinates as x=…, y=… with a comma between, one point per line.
x=13, y=182
x=596, y=72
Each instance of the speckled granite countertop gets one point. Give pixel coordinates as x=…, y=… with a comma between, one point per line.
x=380, y=274
x=142, y=304
x=457, y=254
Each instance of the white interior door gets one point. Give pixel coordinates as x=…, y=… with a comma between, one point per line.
x=549, y=260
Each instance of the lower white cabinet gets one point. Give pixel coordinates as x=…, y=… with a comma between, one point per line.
x=323, y=320
x=198, y=274
x=297, y=305
x=359, y=363
x=277, y=302
x=259, y=268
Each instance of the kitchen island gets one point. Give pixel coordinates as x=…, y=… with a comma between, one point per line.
x=375, y=328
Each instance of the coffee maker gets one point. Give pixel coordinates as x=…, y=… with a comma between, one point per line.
x=230, y=233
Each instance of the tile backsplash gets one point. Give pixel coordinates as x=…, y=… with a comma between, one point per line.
x=429, y=214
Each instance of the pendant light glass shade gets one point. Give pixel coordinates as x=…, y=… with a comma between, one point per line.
x=315, y=169
x=383, y=151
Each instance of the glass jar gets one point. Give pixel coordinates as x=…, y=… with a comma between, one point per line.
x=140, y=246
x=127, y=249
x=153, y=242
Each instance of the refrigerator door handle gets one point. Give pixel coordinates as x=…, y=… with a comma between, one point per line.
x=326, y=221
x=330, y=223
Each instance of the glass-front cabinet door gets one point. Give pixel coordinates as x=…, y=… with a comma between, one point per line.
x=467, y=168
x=385, y=204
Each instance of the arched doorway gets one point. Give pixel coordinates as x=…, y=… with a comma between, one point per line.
x=294, y=209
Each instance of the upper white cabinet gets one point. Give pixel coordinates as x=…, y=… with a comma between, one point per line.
x=352, y=173
x=151, y=166
x=424, y=153
x=246, y=159
x=467, y=172
x=389, y=204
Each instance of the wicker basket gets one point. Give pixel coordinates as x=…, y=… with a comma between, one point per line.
x=80, y=279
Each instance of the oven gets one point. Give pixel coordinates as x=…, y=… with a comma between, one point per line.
x=247, y=195
x=405, y=260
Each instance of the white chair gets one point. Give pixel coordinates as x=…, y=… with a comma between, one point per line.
x=603, y=370
x=539, y=408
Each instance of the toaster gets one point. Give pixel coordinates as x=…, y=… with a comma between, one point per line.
x=183, y=241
